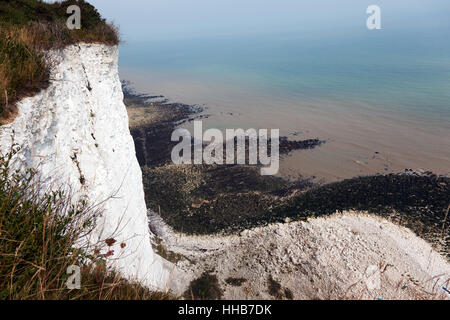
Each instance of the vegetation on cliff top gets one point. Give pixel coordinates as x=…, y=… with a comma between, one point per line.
x=28, y=28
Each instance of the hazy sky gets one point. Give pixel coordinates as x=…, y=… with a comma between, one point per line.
x=174, y=19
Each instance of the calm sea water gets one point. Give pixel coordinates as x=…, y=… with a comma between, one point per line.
x=397, y=82
x=402, y=71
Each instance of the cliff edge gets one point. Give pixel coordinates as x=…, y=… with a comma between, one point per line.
x=76, y=134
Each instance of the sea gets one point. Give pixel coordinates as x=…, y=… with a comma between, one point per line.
x=379, y=98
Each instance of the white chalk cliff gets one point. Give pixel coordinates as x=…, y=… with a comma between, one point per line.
x=76, y=134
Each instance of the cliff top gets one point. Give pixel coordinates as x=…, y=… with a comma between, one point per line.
x=30, y=27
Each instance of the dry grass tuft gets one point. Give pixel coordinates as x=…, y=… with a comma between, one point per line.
x=28, y=28
x=41, y=235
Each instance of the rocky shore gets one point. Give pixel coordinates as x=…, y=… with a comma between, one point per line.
x=353, y=255
x=215, y=204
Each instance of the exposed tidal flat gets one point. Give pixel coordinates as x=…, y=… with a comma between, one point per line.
x=227, y=199
x=360, y=140
x=234, y=234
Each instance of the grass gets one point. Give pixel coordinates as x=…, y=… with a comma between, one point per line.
x=41, y=235
x=206, y=287
x=29, y=28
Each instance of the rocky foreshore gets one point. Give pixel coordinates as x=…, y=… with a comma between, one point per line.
x=218, y=202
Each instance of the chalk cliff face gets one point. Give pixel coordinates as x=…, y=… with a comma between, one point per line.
x=76, y=134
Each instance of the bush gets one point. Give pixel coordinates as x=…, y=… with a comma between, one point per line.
x=30, y=27
x=40, y=236
x=206, y=287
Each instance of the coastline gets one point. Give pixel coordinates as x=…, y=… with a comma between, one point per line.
x=229, y=199
x=369, y=237
x=361, y=139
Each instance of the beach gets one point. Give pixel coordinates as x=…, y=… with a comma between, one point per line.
x=396, y=223
x=360, y=141
x=215, y=199
x=376, y=179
